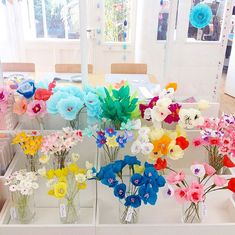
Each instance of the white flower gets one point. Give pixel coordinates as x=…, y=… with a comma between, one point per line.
x=146, y=148
x=175, y=152
x=50, y=183
x=198, y=170
x=136, y=147
x=80, y=178
x=159, y=113
x=203, y=104
x=25, y=191
x=164, y=102
x=167, y=93
x=44, y=159
x=19, y=177
x=143, y=138
x=75, y=157
x=89, y=165
x=167, y=191
x=42, y=171
x=136, y=124
x=144, y=131
x=90, y=174
x=147, y=114
x=12, y=188
x=7, y=182
x=35, y=185
x=27, y=184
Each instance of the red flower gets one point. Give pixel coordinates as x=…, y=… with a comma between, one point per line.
x=228, y=162
x=197, y=142
x=214, y=141
x=160, y=164
x=42, y=94
x=182, y=142
x=52, y=85
x=231, y=185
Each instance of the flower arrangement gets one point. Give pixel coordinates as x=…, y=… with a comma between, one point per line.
x=217, y=137
x=30, y=143
x=118, y=106
x=33, y=100
x=70, y=102
x=160, y=143
x=64, y=184
x=59, y=144
x=193, y=194
x=22, y=184
x=4, y=95
x=141, y=185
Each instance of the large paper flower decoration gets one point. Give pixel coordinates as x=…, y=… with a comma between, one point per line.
x=200, y=15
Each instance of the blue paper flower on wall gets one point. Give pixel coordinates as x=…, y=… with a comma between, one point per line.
x=200, y=15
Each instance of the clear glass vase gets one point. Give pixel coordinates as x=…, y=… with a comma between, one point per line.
x=70, y=209
x=32, y=162
x=216, y=160
x=193, y=212
x=110, y=154
x=59, y=160
x=22, y=207
x=80, y=122
x=128, y=214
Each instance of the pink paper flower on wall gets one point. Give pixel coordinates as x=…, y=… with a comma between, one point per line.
x=181, y=194
x=36, y=108
x=175, y=178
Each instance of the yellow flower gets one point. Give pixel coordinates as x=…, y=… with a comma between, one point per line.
x=175, y=152
x=74, y=168
x=65, y=171
x=58, y=173
x=138, y=169
x=62, y=179
x=82, y=171
x=180, y=131
x=111, y=141
x=156, y=134
x=51, y=192
x=60, y=190
x=80, y=178
x=82, y=186
x=50, y=174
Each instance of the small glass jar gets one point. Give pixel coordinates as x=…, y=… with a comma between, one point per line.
x=216, y=160
x=128, y=214
x=59, y=160
x=69, y=208
x=22, y=207
x=32, y=162
x=193, y=212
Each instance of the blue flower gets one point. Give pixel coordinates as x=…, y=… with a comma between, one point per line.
x=27, y=88
x=121, y=141
x=110, y=131
x=150, y=173
x=100, y=141
x=76, y=91
x=103, y=170
x=160, y=181
x=137, y=179
x=88, y=89
x=120, y=190
x=91, y=100
x=69, y=107
x=109, y=179
x=133, y=200
x=118, y=165
x=147, y=165
x=100, y=92
x=53, y=101
x=200, y=15
x=131, y=160
x=147, y=195
x=100, y=133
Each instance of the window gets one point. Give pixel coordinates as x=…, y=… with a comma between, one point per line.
x=3, y=22
x=213, y=30
x=56, y=19
x=163, y=19
x=116, y=20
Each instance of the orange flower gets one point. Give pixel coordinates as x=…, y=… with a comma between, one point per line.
x=118, y=85
x=162, y=144
x=171, y=85
x=20, y=106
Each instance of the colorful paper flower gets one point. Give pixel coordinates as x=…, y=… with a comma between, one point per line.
x=219, y=181
x=147, y=195
x=42, y=94
x=231, y=185
x=175, y=178
x=161, y=145
x=27, y=88
x=180, y=195
x=121, y=140
x=109, y=179
x=227, y=162
x=175, y=152
x=52, y=103
x=100, y=141
x=168, y=191
x=133, y=201
x=131, y=160
x=69, y=107
x=36, y=108
x=160, y=164
x=112, y=142
x=182, y=142
x=20, y=106
x=198, y=170
x=137, y=179
x=110, y=131
x=120, y=190
x=174, y=116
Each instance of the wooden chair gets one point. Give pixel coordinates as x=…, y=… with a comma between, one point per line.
x=129, y=68
x=71, y=68
x=18, y=67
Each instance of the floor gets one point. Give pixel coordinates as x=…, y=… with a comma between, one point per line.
x=227, y=103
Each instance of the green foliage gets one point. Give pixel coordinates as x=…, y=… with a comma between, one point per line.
x=118, y=106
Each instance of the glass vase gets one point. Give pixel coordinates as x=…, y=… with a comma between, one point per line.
x=216, y=160
x=80, y=122
x=22, y=207
x=69, y=209
x=193, y=212
x=128, y=214
x=110, y=154
x=59, y=160
x=32, y=162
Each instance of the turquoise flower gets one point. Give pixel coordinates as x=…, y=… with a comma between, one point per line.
x=88, y=132
x=53, y=101
x=69, y=107
x=91, y=100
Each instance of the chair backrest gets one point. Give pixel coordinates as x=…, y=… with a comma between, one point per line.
x=71, y=68
x=126, y=68
x=18, y=67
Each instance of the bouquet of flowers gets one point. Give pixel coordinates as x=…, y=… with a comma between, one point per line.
x=30, y=143
x=59, y=144
x=118, y=106
x=193, y=194
x=22, y=185
x=70, y=102
x=141, y=185
x=32, y=100
x=218, y=138
x=65, y=184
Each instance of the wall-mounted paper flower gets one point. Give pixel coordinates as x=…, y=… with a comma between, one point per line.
x=36, y=108
x=200, y=15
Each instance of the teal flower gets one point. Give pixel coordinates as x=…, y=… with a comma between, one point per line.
x=53, y=101
x=69, y=107
x=91, y=100
x=88, y=132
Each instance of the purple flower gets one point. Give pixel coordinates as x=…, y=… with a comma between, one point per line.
x=100, y=141
x=121, y=141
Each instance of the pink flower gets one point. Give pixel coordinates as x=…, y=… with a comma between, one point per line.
x=20, y=106
x=219, y=181
x=196, y=185
x=181, y=195
x=175, y=178
x=197, y=142
x=209, y=169
x=174, y=116
x=36, y=108
x=195, y=195
x=3, y=99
